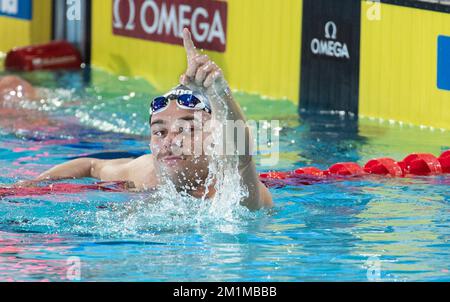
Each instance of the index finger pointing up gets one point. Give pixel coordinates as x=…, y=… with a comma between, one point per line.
x=191, y=51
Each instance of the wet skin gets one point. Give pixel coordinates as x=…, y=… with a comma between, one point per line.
x=172, y=141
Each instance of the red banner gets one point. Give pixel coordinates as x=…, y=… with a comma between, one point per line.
x=164, y=20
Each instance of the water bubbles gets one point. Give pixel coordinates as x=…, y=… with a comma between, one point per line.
x=162, y=210
x=155, y=211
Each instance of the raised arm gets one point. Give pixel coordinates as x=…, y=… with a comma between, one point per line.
x=203, y=73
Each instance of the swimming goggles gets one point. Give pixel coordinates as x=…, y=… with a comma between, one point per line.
x=187, y=101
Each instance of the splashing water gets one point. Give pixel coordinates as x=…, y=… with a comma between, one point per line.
x=156, y=211
x=167, y=209
x=325, y=232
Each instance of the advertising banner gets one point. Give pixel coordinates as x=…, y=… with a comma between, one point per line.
x=330, y=55
x=20, y=9
x=163, y=21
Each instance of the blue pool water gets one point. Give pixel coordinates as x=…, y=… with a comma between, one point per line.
x=357, y=230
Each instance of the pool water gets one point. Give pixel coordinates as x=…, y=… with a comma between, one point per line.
x=375, y=229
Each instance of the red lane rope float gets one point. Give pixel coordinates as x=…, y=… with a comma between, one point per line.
x=310, y=171
x=384, y=166
x=414, y=164
x=422, y=164
x=62, y=188
x=444, y=160
x=346, y=169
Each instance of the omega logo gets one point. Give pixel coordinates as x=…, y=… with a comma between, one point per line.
x=330, y=46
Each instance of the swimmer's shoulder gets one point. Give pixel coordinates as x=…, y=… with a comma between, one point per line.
x=146, y=160
x=141, y=172
x=141, y=165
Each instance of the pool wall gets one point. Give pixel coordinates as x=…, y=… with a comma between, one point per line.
x=24, y=22
x=261, y=56
x=385, y=59
x=400, y=67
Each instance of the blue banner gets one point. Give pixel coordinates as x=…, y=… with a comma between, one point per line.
x=20, y=9
x=444, y=63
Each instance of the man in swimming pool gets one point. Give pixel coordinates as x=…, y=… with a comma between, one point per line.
x=14, y=88
x=13, y=114
x=174, y=118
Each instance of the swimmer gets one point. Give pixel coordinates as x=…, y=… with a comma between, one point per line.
x=15, y=88
x=14, y=93
x=199, y=98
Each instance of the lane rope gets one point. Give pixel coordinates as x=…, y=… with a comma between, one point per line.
x=416, y=164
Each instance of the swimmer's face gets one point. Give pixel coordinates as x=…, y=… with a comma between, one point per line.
x=177, y=138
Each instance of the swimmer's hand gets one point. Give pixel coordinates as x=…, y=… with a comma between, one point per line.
x=201, y=71
x=26, y=184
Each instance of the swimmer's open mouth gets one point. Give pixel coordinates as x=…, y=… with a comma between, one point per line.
x=172, y=159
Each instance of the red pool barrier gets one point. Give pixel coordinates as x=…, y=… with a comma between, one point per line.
x=384, y=166
x=421, y=164
x=346, y=169
x=51, y=56
x=311, y=171
x=62, y=188
x=444, y=159
x=413, y=164
x=274, y=175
